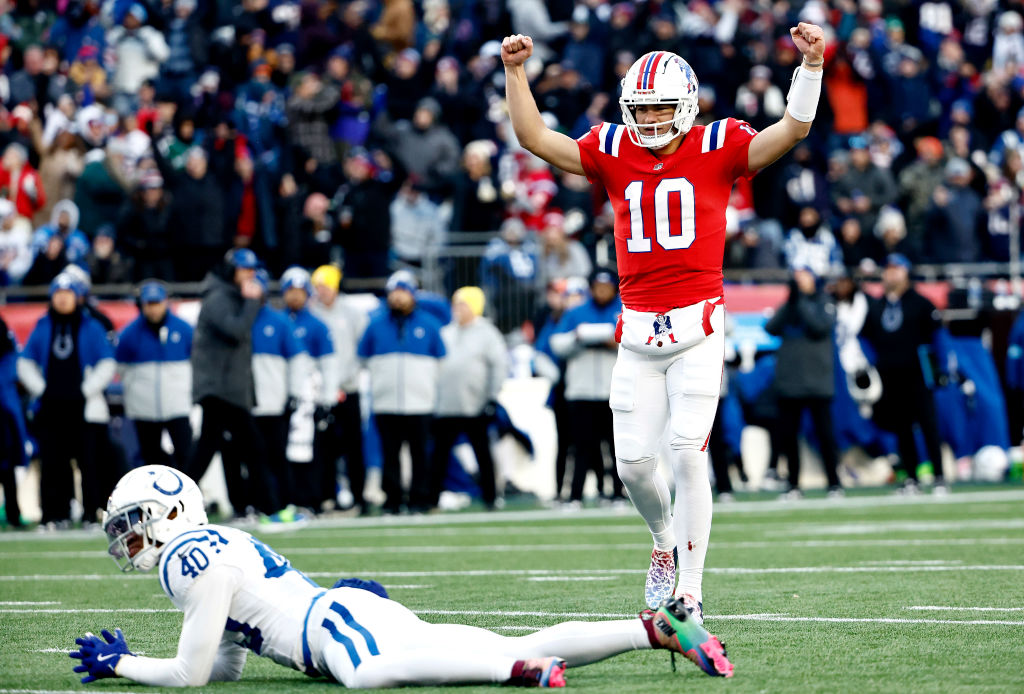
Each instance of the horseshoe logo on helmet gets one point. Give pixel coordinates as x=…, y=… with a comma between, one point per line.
x=169, y=492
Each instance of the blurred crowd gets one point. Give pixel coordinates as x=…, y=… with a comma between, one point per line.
x=144, y=139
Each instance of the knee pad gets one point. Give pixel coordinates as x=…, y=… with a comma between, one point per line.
x=631, y=471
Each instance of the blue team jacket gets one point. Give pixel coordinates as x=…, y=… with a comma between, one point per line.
x=156, y=369
x=403, y=357
x=278, y=362
x=315, y=337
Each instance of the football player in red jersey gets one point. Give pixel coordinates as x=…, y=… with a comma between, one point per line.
x=669, y=183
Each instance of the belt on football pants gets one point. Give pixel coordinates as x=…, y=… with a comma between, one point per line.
x=307, y=655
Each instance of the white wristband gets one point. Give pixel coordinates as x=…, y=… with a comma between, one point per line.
x=803, y=94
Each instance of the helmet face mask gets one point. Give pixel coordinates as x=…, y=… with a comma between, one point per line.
x=659, y=79
x=148, y=508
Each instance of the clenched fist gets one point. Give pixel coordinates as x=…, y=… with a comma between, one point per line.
x=809, y=40
x=516, y=49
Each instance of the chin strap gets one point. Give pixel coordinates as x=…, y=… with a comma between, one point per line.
x=804, y=93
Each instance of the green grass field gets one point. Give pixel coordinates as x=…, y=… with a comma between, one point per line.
x=869, y=594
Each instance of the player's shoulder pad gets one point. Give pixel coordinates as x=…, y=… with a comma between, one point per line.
x=720, y=132
x=188, y=556
x=607, y=138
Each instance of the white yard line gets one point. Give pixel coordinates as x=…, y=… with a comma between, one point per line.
x=561, y=572
x=12, y=603
x=771, y=616
x=90, y=610
x=571, y=578
x=563, y=547
x=60, y=691
x=955, y=608
x=868, y=527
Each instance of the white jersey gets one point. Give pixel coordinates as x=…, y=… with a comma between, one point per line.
x=269, y=605
x=236, y=593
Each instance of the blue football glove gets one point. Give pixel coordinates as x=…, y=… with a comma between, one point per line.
x=100, y=656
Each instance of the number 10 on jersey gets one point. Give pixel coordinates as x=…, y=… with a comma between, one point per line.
x=663, y=223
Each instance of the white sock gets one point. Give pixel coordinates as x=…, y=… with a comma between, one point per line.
x=581, y=643
x=692, y=517
x=651, y=497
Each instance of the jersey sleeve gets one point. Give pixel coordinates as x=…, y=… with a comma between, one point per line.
x=189, y=558
x=738, y=136
x=599, y=148
x=729, y=139
x=200, y=648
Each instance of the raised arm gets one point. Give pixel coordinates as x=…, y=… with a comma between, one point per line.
x=778, y=138
x=553, y=147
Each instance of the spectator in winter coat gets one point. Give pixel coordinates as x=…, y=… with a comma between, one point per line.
x=19, y=181
x=561, y=256
x=955, y=219
x=67, y=364
x=139, y=51
x=280, y=367
x=98, y=191
x=153, y=359
x=319, y=483
x=864, y=188
x=197, y=216
x=144, y=229
x=471, y=375
x=508, y=274
x=402, y=348
x=812, y=245
x=428, y=149
x=585, y=338
x=309, y=114
x=15, y=245
x=106, y=264
x=417, y=226
x=64, y=223
x=364, y=216
x=343, y=436
x=222, y=379
x=804, y=373
x=917, y=183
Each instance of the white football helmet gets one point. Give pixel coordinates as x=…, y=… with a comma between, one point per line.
x=659, y=77
x=148, y=508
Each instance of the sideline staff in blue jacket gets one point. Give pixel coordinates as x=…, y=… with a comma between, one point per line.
x=153, y=357
x=67, y=364
x=402, y=347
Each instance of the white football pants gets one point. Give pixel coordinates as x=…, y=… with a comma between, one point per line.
x=365, y=641
x=674, y=397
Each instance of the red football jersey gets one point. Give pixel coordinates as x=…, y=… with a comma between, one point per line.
x=669, y=212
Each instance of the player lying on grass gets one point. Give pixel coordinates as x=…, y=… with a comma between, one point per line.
x=239, y=594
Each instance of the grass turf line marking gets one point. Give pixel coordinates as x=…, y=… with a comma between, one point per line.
x=571, y=578
x=771, y=616
x=58, y=691
x=561, y=547
x=562, y=572
x=966, y=609
x=91, y=610
x=12, y=603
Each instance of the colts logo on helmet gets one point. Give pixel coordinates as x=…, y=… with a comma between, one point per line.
x=169, y=488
